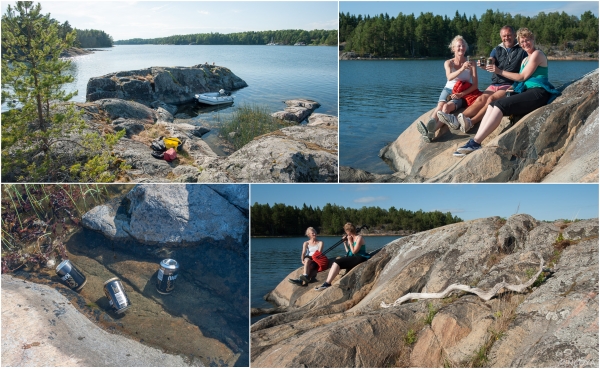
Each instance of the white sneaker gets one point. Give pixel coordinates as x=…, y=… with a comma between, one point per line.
x=448, y=119
x=465, y=123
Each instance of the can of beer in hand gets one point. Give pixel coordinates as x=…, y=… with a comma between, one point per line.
x=71, y=275
x=115, y=293
x=167, y=274
x=490, y=61
x=482, y=62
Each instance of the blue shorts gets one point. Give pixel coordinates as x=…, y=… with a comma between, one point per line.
x=445, y=92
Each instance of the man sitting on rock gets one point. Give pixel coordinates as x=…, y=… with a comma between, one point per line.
x=507, y=56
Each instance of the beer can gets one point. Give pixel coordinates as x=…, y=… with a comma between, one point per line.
x=71, y=275
x=490, y=61
x=167, y=274
x=115, y=293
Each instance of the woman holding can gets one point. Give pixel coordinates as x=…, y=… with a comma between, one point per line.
x=356, y=251
x=459, y=68
x=530, y=91
x=308, y=249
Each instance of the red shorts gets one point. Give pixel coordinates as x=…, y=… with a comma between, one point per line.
x=495, y=88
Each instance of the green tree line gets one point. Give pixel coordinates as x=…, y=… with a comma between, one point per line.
x=286, y=220
x=285, y=37
x=429, y=35
x=86, y=38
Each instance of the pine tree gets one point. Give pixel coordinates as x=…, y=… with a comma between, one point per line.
x=38, y=132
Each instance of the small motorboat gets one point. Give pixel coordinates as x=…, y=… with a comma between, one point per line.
x=215, y=98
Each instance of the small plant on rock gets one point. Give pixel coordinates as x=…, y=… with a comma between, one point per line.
x=431, y=311
x=410, y=337
x=246, y=123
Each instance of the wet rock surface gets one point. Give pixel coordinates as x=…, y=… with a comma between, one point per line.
x=546, y=143
x=345, y=325
x=41, y=327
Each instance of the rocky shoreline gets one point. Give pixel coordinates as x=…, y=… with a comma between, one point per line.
x=146, y=104
x=551, y=324
x=555, y=143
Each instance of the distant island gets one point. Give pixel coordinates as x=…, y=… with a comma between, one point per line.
x=281, y=37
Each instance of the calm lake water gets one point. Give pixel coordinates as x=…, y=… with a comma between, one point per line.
x=272, y=259
x=273, y=73
x=380, y=99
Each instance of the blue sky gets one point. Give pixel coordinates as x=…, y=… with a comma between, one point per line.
x=449, y=8
x=150, y=19
x=468, y=201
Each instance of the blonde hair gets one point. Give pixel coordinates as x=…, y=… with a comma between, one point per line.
x=310, y=229
x=350, y=227
x=525, y=32
x=458, y=38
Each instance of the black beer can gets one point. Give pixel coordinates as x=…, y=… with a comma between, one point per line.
x=71, y=275
x=167, y=274
x=115, y=293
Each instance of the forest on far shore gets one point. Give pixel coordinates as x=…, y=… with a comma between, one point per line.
x=428, y=35
x=284, y=37
x=286, y=220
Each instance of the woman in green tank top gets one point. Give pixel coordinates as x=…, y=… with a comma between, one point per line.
x=356, y=252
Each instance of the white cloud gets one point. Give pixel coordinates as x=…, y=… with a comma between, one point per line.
x=203, y=12
x=370, y=199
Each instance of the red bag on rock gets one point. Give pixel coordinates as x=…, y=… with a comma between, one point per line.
x=170, y=154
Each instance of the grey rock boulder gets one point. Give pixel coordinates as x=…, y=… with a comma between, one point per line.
x=117, y=108
x=175, y=215
x=318, y=119
x=296, y=110
x=167, y=85
x=291, y=154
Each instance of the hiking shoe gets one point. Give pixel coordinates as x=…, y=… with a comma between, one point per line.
x=313, y=280
x=295, y=281
x=469, y=147
x=458, y=154
x=448, y=119
x=304, y=279
x=423, y=131
x=158, y=155
x=431, y=123
x=465, y=123
x=323, y=286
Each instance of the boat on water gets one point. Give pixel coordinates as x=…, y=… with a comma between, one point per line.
x=215, y=98
x=300, y=43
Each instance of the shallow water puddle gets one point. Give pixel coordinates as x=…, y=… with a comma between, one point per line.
x=205, y=318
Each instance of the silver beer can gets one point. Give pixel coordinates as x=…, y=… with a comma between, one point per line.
x=115, y=293
x=167, y=274
x=72, y=276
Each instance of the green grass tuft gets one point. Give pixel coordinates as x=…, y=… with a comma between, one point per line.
x=246, y=123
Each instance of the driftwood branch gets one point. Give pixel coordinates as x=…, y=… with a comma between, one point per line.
x=519, y=288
